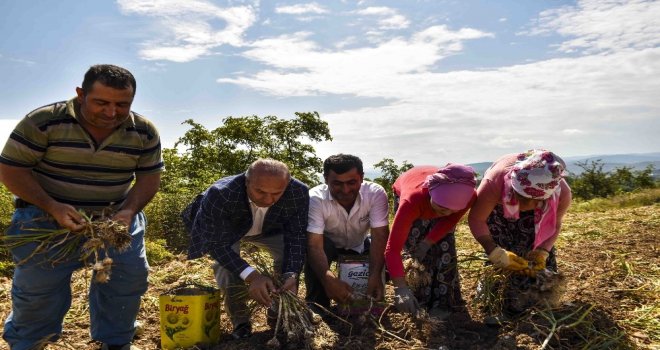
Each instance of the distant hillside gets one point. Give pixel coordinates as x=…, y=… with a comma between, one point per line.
x=618, y=158
x=481, y=168
x=636, y=161
x=574, y=169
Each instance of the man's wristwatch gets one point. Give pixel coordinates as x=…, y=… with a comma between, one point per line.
x=285, y=276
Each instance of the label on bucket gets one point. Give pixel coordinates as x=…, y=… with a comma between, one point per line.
x=354, y=270
x=356, y=274
x=189, y=317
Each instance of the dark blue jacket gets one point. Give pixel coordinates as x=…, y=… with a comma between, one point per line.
x=221, y=216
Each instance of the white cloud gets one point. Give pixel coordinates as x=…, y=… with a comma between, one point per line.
x=189, y=27
x=6, y=127
x=510, y=142
x=608, y=93
x=308, y=18
x=302, y=9
x=572, y=131
x=303, y=68
x=390, y=18
x=502, y=19
x=394, y=22
x=602, y=25
x=175, y=53
x=17, y=60
x=351, y=40
x=379, y=11
x=481, y=115
x=460, y=114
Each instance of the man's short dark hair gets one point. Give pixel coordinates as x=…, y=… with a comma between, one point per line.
x=341, y=163
x=109, y=75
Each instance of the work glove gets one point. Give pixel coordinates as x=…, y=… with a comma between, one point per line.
x=405, y=301
x=422, y=248
x=537, y=259
x=507, y=260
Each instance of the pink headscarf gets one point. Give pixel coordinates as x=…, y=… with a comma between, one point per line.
x=452, y=186
x=536, y=175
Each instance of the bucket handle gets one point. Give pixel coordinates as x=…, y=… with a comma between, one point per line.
x=190, y=284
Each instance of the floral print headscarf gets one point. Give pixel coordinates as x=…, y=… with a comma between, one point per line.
x=536, y=174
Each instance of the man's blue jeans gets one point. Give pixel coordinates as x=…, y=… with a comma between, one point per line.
x=41, y=293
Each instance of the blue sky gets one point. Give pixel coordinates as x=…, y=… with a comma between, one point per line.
x=430, y=82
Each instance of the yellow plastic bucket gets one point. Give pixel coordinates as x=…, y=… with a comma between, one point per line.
x=189, y=316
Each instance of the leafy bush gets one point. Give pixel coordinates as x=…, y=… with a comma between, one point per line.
x=594, y=182
x=390, y=171
x=6, y=207
x=6, y=267
x=6, y=211
x=228, y=150
x=232, y=147
x=157, y=251
x=163, y=215
x=632, y=199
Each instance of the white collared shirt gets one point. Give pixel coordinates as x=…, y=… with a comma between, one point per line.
x=258, y=215
x=348, y=230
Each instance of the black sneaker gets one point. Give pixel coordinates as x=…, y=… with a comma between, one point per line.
x=242, y=331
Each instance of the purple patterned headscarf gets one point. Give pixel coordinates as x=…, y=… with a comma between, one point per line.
x=452, y=186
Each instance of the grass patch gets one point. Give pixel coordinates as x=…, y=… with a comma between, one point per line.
x=6, y=268
x=626, y=200
x=576, y=326
x=157, y=251
x=644, y=319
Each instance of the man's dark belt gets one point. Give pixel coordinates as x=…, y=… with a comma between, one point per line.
x=19, y=203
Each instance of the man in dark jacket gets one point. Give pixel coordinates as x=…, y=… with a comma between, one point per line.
x=263, y=206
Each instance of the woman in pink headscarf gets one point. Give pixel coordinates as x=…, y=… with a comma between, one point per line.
x=429, y=201
x=518, y=212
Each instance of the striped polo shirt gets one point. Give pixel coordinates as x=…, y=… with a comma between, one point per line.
x=71, y=167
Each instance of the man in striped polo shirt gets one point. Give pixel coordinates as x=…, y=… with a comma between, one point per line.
x=83, y=153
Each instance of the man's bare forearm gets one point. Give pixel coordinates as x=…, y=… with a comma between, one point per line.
x=379, y=237
x=142, y=192
x=22, y=183
x=319, y=263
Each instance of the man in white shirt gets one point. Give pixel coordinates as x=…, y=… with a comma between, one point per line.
x=342, y=213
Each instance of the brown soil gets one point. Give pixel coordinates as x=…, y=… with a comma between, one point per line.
x=611, y=261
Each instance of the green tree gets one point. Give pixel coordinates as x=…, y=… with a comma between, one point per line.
x=230, y=148
x=208, y=155
x=593, y=181
x=623, y=179
x=644, y=178
x=389, y=172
